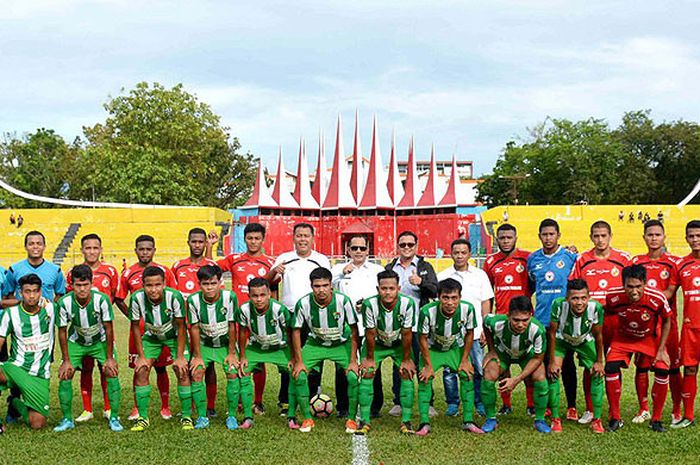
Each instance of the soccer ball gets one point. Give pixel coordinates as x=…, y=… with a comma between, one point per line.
x=321, y=406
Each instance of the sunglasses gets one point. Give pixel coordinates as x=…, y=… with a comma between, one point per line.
x=407, y=245
x=355, y=248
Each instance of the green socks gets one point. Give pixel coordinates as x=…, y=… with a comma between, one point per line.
x=488, y=397
x=185, y=394
x=597, y=389
x=466, y=394
x=541, y=398
x=199, y=397
x=353, y=388
x=406, y=399
x=425, y=392
x=233, y=391
x=554, y=397
x=114, y=394
x=365, y=398
x=247, y=396
x=65, y=398
x=292, y=395
x=302, y=388
x=143, y=398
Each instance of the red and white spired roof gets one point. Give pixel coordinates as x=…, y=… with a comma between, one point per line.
x=280, y=191
x=302, y=189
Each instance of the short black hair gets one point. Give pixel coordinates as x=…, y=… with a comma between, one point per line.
x=407, y=233
x=320, y=273
x=520, y=303
x=89, y=237
x=634, y=272
x=600, y=224
x=506, y=227
x=34, y=233
x=29, y=280
x=196, y=231
x=81, y=273
x=461, y=241
x=303, y=225
x=692, y=224
x=388, y=274
x=449, y=285
x=359, y=236
x=254, y=228
x=652, y=223
x=144, y=238
x=258, y=282
x=208, y=272
x=549, y=223
x=153, y=271
x=577, y=284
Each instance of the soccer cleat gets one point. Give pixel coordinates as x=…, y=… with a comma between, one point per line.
x=9, y=419
x=641, y=417
x=489, y=425
x=350, y=426
x=186, y=424
x=657, y=427
x=258, y=409
x=556, y=425
x=597, y=426
x=342, y=414
x=306, y=425
x=64, y=425
x=530, y=411
x=432, y=413
x=231, y=423
x=423, y=430
x=541, y=426
x=292, y=423
x=614, y=425
x=362, y=429
x=470, y=427
x=141, y=424
x=201, y=423
x=571, y=414
x=395, y=411
x=211, y=413
x=505, y=410
x=134, y=415
x=247, y=423
x=675, y=419
x=85, y=416
x=586, y=418
x=684, y=423
x=452, y=410
x=115, y=426
x=107, y=414
x=283, y=408
x=165, y=413
x=407, y=428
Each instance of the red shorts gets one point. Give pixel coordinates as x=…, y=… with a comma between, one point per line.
x=690, y=346
x=622, y=350
x=610, y=324
x=163, y=360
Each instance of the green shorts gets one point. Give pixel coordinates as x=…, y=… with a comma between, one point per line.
x=215, y=355
x=444, y=359
x=587, y=352
x=257, y=356
x=506, y=361
x=153, y=347
x=314, y=354
x=381, y=353
x=77, y=352
x=34, y=390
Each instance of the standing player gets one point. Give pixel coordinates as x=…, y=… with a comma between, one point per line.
x=85, y=330
x=252, y=263
x=449, y=323
x=601, y=268
x=105, y=279
x=332, y=323
x=213, y=340
x=661, y=275
x=161, y=312
x=576, y=327
x=507, y=271
x=514, y=338
x=639, y=309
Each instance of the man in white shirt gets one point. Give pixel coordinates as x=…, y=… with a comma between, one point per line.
x=477, y=290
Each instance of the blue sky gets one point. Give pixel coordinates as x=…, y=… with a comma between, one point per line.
x=466, y=76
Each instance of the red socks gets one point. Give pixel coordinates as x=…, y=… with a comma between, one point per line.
x=259, y=381
x=530, y=395
x=86, y=383
x=658, y=394
x=164, y=388
x=690, y=388
x=641, y=384
x=676, y=388
x=211, y=395
x=613, y=388
x=506, y=397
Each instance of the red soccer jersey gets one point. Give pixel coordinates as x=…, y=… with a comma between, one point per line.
x=186, y=274
x=105, y=279
x=601, y=274
x=688, y=274
x=243, y=268
x=508, y=276
x=131, y=279
x=661, y=273
x=637, y=320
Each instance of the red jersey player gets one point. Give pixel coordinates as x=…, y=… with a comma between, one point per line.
x=661, y=275
x=639, y=309
x=105, y=278
x=688, y=273
x=131, y=281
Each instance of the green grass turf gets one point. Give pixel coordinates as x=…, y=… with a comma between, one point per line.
x=271, y=442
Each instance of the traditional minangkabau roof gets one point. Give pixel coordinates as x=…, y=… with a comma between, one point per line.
x=302, y=189
x=339, y=194
x=357, y=175
x=260, y=197
x=320, y=186
x=280, y=191
x=376, y=194
x=451, y=197
x=432, y=192
x=411, y=188
x=393, y=182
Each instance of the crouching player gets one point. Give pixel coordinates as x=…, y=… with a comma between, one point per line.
x=514, y=338
x=576, y=326
x=31, y=326
x=388, y=318
x=638, y=309
x=212, y=314
x=263, y=334
x=332, y=323
x=85, y=331
x=162, y=311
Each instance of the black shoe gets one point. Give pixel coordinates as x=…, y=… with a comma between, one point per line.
x=614, y=425
x=342, y=413
x=657, y=427
x=530, y=411
x=211, y=413
x=374, y=415
x=505, y=411
x=283, y=408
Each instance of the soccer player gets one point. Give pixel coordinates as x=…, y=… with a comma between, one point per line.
x=576, y=327
x=332, y=323
x=639, y=309
x=514, y=338
x=601, y=268
x=212, y=314
x=105, y=279
x=688, y=273
x=31, y=326
x=264, y=326
x=85, y=330
x=507, y=271
x=449, y=323
x=161, y=311
x=130, y=282
x=661, y=275
x=388, y=318
x=252, y=263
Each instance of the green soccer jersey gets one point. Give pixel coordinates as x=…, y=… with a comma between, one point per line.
x=268, y=331
x=531, y=341
x=446, y=333
x=329, y=325
x=159, y=319
x=388, y=323
x=576, y=329
x=32, y=338
x=86, y=323
x=213, y=318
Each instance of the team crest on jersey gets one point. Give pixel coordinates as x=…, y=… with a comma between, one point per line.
x=549, y=276
x=646, y=316
x=615, y=299
x=508, y=279
x=614, y=272
x=168, y=311
x=652, y=283
x=105, y=283
x=633, y=324
x=603, y=284
x=261, y=272
x=664, y=274
x=696, y=281
x=560, y=264
x=520, y=268
x=189, y=285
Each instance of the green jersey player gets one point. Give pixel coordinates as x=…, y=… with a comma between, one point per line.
x=446, y=333
x=514, y=338
x=213, y=340
x=332, y=323
x=388, y=318
x=85, y=330
x=162, y=310
x=576, y=326
x=27, y=368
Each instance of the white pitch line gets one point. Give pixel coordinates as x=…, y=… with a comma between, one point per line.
x=360, y=450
